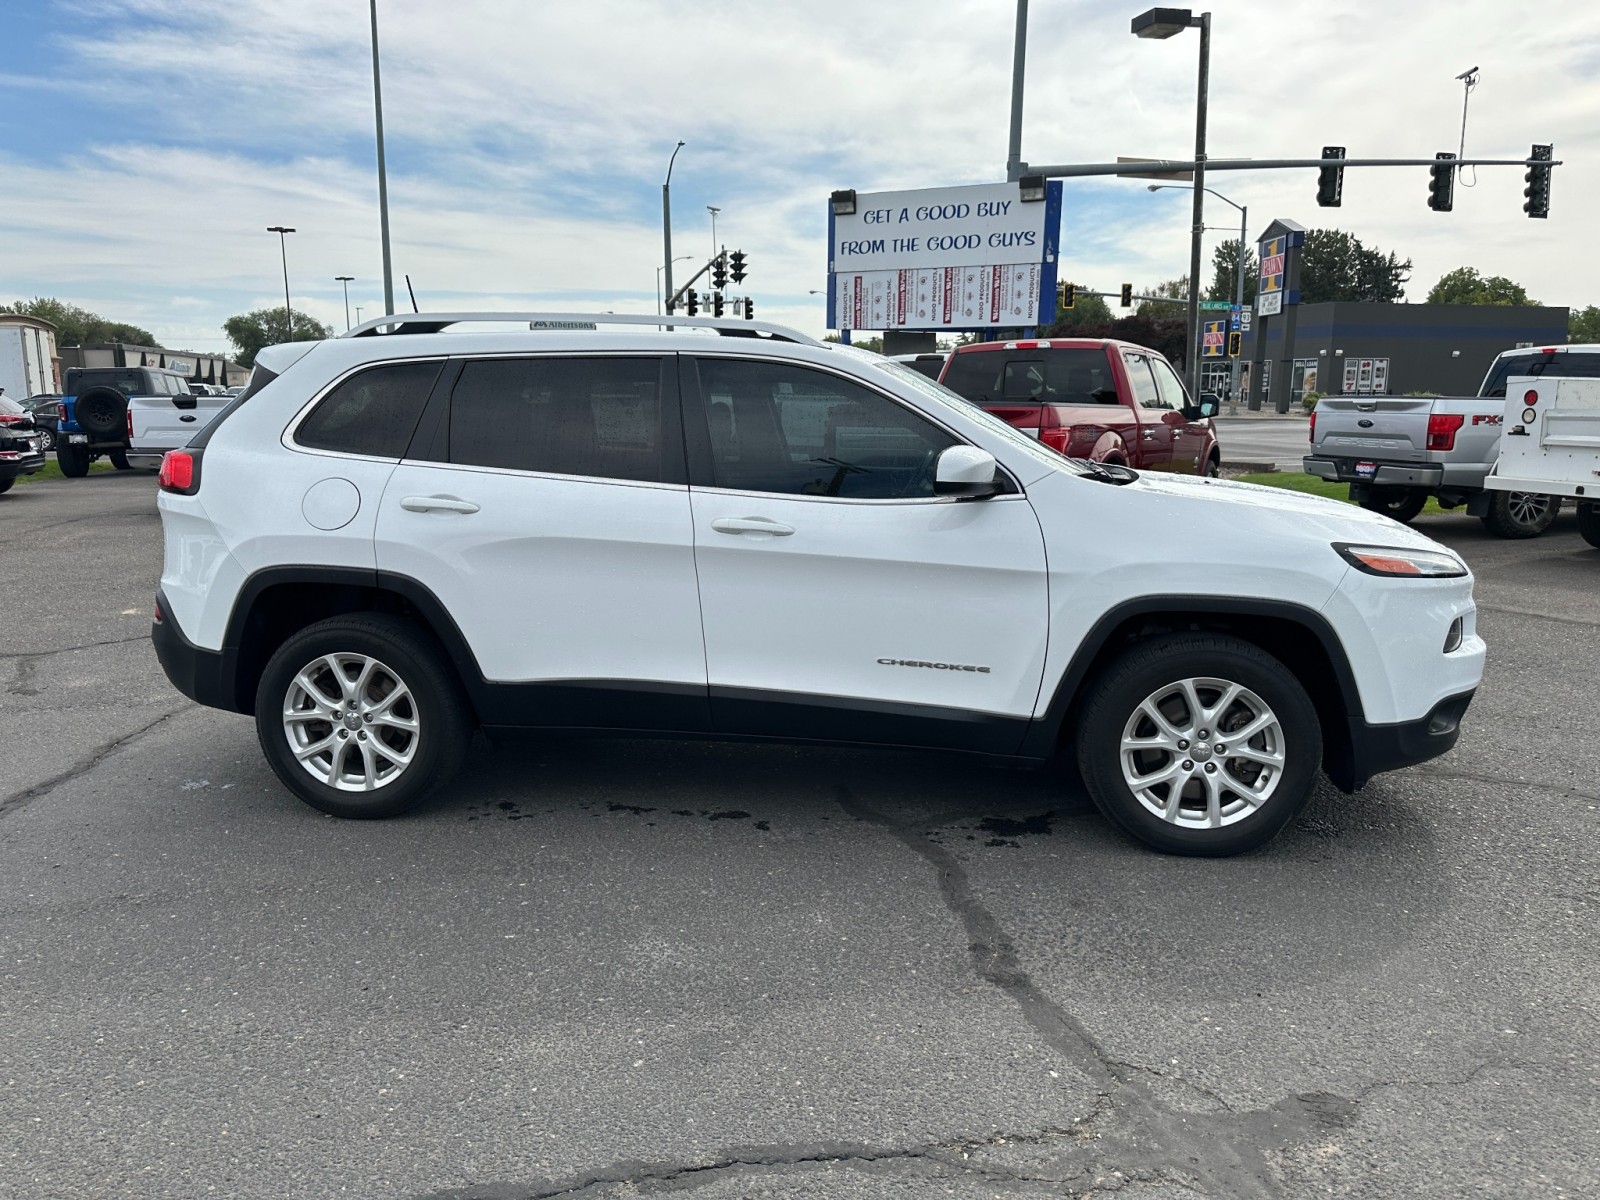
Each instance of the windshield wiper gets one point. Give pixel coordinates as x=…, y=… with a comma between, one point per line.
x=1106, y=472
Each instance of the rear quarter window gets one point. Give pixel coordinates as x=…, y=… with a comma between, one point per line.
x=373, y=412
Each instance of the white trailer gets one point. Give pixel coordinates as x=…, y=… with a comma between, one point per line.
x=25, y=360
x=1551, y=444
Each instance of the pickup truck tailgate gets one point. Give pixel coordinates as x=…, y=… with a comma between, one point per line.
x=168, y=422
x=1388, y=428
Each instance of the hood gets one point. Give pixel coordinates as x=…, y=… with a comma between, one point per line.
x=1316, y=515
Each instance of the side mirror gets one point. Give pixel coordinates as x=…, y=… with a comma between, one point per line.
x=966, y=473
x=1199, y=412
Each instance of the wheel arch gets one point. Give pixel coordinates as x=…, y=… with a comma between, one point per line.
x=1297, y=636
x=276, y=603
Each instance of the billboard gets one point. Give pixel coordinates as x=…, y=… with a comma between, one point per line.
x=1273, y=254
x=973, y=257
x=1214, y=343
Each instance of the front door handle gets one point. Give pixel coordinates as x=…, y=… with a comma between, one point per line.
x=750, y=525
x=437, y=504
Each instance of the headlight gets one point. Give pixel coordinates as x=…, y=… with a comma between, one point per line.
x=1398, y=561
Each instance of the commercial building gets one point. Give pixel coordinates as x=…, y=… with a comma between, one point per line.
x=200, y=368
x=1347, y=348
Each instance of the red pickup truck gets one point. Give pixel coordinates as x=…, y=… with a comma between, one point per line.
x=1092, y=398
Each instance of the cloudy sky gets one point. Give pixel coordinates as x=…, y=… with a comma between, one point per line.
x=149, y=143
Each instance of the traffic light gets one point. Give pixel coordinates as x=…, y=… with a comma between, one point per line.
x=1235, y=344
x=691, y=303
x=716, y=304
x=1442, y=182
x=1069, y=295
x=1330, y=180
x=719, y=272
x=1127, y=295
x=1537, y=193
x=749, y=308
x=737, y=266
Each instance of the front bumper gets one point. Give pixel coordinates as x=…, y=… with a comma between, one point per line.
x=1379, y=748
x=205, y=676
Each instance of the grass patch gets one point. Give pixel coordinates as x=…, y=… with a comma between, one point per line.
x=1299, y=481
x=52, y=470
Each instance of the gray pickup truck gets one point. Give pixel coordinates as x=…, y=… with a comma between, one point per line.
x=1396, y=451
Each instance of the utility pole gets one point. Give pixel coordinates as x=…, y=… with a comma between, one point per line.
x=288, y=315
x=383, y=178
x=666, y=226
x=346, y=280
x=1019, y=58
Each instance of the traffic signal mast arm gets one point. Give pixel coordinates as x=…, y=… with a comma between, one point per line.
x=677, y=296
x=1145, y=168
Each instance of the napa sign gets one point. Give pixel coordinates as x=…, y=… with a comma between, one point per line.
x=974, y=257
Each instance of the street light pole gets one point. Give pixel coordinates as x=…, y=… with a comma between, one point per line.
x=288, y=314
x=1162, y=23
x=383, y=178
x=1238, y=280
x=346, y=280
x=666, y=224
x=713, y=210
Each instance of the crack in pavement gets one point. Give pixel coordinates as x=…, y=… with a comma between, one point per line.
x=24, y=654
x=83, y=766
x=1506, y=781
x=1524, y=612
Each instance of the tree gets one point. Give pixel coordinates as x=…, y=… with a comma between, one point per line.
x=78, y=326
x=1336, y=266
x=1176, y=291
x=1465, y=286
x=253, y=331
x=1225, y=266
x=1087, y=312
x=1583, y=325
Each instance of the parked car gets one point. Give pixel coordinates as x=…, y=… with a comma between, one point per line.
x=1106, y=401
x=1396, y=451
x=131, y=415
x=393, y=538
x=43, y=409
x=1551, y=444
x=21, y=445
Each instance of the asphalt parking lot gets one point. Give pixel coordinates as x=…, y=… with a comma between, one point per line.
x=606, y=969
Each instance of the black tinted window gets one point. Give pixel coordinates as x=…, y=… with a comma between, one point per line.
x=599, y=417
x=781, y=428
x=1547, y=366
x=373, y=412
x=1066, y=375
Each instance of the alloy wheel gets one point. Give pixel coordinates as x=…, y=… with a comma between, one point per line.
x=351, y=722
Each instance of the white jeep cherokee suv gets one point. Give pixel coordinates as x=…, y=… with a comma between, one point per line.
x=730, y=530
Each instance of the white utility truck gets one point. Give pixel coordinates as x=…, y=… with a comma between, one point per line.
x=1551, y=444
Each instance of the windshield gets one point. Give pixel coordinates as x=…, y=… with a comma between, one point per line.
x=949, y=401
x=1566, y=365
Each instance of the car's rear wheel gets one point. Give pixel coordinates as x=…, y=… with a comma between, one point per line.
x=361, y=716
x=1520, y=514
x=1589, y=522
x=119, y=459
x=47, y=439
x=73, y=460
x=1401, y=504
x=5, y=484
x=1199, y=744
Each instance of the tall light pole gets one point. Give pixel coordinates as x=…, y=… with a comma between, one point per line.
x=383, y=178
x=358, y=314
x=346, y=280
x=1238, y=282
x=288, y=315
x=666, y=224
x=713, y=210
x=680, y=258
x=1162, y=23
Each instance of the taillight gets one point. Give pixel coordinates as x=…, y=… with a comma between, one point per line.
x=61, y=412
x=180, y=472
x=157, y=617
x=1530, y=398
x=129, y=415
x=1442, y=430
x=1313, y=427
x=1052, y=432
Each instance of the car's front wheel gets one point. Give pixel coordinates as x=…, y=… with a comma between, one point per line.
x=361, y=716
x=1199, y=743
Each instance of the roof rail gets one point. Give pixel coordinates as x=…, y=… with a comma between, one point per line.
x=435, y=322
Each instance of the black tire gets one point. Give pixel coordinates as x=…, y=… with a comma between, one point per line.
x=1115, y=702
x=437, y=746
x=1520, y=514
x=1213, y=468
x=5, y=484
x=1589, y=522
x=1400, y=504
x=119, y=460
x=102, y=412
x=73, y=460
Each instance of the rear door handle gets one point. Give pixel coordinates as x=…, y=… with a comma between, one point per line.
x=437, y=504
x=750, y=525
